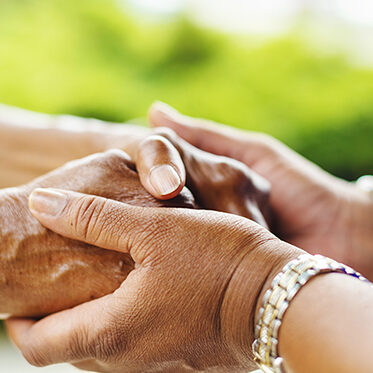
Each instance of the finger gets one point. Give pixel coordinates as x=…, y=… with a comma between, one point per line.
x=205, y=173
x=95, y=220
x=160, y=167
x=246, y=146
x=66, y=336
x=206, y=135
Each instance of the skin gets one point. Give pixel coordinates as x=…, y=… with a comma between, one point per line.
x=171, y=315
x=27, y=137
x=173, y=326
x=332, y=317
x=178, y=310
x=218, y=182
x=311, y=208
x=39, y=270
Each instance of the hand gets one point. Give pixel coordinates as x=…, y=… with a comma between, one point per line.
x=27, y=137
x=166, y=163
x=312, y=209
x=42, y=272
x=188, y=304
x=51, y=265
x=219, y=183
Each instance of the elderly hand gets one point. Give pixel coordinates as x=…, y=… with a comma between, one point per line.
x=187, y=305
x=39, y=269
x=166, y=163
x=312, y=209
x=42, y=272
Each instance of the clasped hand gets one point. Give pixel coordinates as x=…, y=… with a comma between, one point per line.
x=189, y=302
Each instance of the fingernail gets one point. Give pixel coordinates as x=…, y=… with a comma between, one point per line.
x=164, y=179
x=47, y=201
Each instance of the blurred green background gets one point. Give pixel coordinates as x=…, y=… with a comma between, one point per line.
x=93, y=58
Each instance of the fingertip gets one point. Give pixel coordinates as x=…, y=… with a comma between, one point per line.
x=161, y=114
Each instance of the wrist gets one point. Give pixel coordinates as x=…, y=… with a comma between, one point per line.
x=244, y=292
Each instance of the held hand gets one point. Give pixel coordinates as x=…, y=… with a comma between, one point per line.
x=51, y=265
x=187, y=305
x=312, y=209
x=166, y=163
x=42, y=272
x=219, y=183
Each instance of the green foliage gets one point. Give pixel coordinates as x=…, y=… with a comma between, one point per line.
x=90, y=58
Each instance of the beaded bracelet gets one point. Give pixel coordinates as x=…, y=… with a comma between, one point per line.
x=276, y=301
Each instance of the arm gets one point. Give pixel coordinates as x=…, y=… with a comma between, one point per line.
x=329, y=327
x=198, y=317
x=312, y=209
x=32, y=144
x=39, y=268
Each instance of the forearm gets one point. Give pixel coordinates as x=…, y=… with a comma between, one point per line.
x=329, y=327
x=32, y=144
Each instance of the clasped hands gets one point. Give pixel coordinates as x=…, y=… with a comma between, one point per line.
x=192, y=277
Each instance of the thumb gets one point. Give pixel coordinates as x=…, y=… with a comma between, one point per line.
x=95, y=220
x=160, y=167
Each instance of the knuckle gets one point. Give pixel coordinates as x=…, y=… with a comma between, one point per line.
x=116, y=157
x=86, y=216
x=155, y=143
x=154, y=140
x=114, y=154
x=231, y=172
x=165, y=132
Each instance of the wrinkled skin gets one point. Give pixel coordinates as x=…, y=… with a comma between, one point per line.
x=218, y=183
x=311, y=208
x=41, y=272
x=188, y=306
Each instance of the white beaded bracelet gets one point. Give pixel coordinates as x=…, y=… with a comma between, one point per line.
x=276, y=301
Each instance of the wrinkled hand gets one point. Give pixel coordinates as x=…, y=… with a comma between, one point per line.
x=42, y=272
x=39, y=270
x=312, y=209
x=26, y=137
x=166, y=163
x=188, y=305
